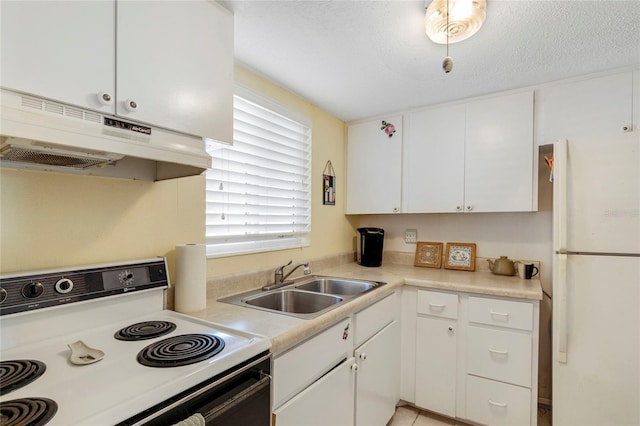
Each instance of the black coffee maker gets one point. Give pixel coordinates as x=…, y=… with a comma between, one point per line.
x=370, y=243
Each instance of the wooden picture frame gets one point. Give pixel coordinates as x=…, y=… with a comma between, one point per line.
x=460, y=256
x=428, y=254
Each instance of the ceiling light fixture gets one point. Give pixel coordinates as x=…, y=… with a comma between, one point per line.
x=451, y=21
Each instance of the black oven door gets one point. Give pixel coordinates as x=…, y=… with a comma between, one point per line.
x=242, y=397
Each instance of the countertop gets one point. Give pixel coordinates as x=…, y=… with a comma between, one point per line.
x=285, y=331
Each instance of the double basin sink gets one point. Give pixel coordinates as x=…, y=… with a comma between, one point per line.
x=306, y=297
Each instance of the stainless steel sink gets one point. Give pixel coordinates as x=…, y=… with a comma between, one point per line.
x=307, y=297
x=293, y=301
x=337, y=286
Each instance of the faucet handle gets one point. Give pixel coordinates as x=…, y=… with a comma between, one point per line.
x=281, y=268
x=306, y=269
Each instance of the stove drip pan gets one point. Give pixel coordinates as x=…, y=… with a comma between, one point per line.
x=15, y=374
x=180, y=350
x=145, y=330
x=27, y=411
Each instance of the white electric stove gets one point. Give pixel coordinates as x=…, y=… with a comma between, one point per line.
x=133, y=362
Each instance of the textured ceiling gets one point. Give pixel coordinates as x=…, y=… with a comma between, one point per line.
x=358, y=59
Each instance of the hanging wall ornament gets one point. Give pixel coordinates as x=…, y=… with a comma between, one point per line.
x=328, y=185
x=389, y=129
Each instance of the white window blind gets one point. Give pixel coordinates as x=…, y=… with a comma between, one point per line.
x=258, y=190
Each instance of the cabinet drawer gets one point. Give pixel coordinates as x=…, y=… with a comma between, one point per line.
x=500, y=355
x=371, y=320
x=495, y=403
x=438, y=304
x=297, y=368
x=503, y=313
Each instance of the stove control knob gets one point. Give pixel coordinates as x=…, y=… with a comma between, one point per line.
x=126, y=277
x=64, y=285
x=3, y=295
x=32, y=290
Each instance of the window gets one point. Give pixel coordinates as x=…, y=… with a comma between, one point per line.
x=258, y=190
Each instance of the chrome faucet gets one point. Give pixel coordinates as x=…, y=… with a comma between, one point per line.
x=279, y=276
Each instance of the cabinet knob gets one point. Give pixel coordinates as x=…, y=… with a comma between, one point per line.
x=458, y=208
x=104, y=98
x=130, y=105
x=450, y=329
x=354, y=367
x=396, y=210
x=363, y=356
x=625, y=129
x=469, y=207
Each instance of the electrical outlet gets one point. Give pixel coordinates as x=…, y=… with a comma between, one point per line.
x=410, y=236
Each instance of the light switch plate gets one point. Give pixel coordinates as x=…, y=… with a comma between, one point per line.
x=410, y=236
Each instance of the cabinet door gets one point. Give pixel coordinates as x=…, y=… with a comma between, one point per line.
x=436, y=354
x=378, y=379
x=434, y=160
x=175, y=66
x=499, y=154
x=61, y=50
x=595, y=107
x=374, y=167
x=328, y=401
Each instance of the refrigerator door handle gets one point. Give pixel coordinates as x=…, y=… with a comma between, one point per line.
x=560, y=194
x=562, y=308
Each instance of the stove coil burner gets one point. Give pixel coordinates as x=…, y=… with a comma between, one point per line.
x=145, y=330
x=27, y=412
x=180, y=350
x=15, y=374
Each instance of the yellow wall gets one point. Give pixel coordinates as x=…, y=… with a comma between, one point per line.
x=52, y=220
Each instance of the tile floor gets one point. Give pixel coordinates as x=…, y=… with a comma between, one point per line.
x=411, y=416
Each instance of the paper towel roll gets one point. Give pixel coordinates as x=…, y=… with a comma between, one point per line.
x=191, y=278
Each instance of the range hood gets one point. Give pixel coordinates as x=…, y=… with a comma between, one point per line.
x=39, y=134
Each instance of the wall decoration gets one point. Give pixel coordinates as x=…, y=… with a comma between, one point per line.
x=389, y=129
x=328, y=185
x=428, y=255
x=460, y=256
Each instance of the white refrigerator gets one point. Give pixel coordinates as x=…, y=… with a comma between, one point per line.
x=596, y=281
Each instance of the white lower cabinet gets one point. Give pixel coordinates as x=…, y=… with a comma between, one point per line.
x=377, y=383
x=436, y=351
x=328, y=401
x=327, y=380
x=436, y=355
x=500, y=355
x=477, y=357
x=495, y=403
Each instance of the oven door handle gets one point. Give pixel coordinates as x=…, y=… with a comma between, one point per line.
x=232, y=402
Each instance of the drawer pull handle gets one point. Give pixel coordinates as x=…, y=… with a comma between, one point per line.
x=436, y=306
x=504, y=315
x=497, y=352
x=497, y=404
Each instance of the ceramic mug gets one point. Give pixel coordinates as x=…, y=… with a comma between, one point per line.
x=530, y=271
x=527, y=271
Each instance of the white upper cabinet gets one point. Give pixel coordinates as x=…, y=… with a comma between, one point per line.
x=374, y=167
x=472, y=157
x=62, y=50
x=499, y=154
x=167, y=64
x=434, y=160
x=175, y=63
x=592, y=107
